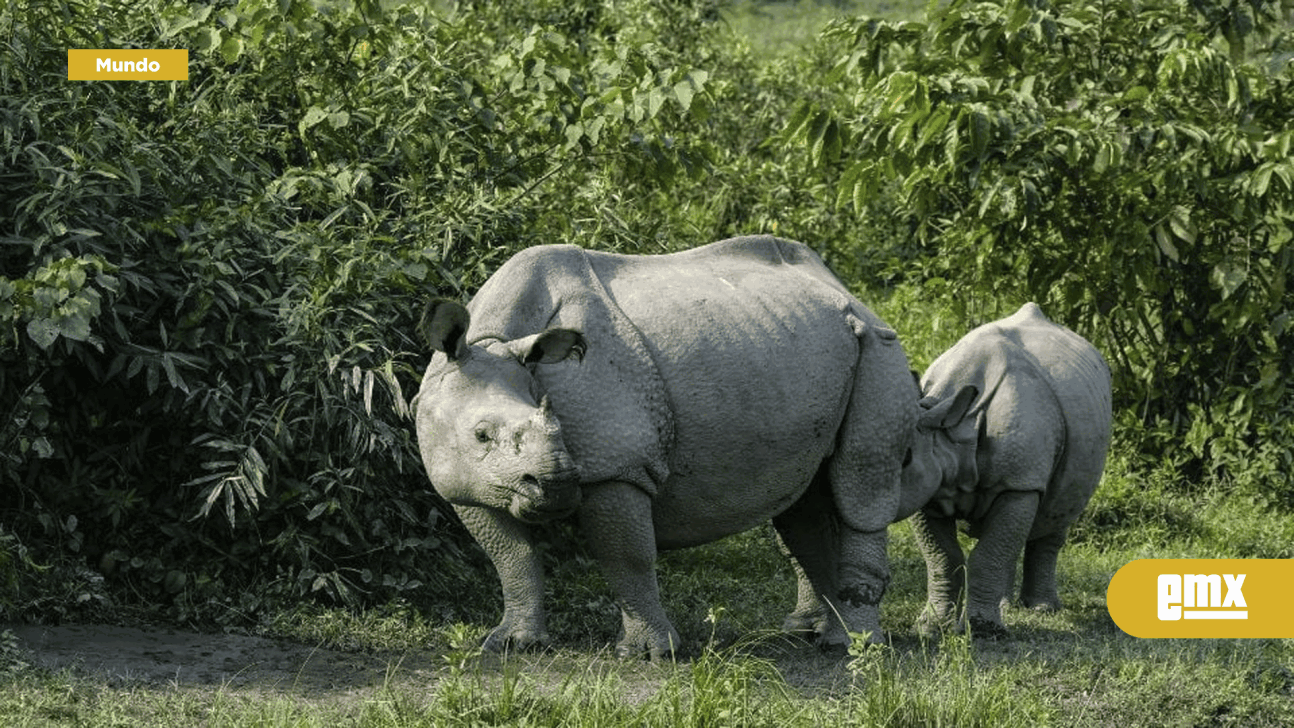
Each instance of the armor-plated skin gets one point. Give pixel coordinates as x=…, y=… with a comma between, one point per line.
x=670, y=401
x=1011, y=438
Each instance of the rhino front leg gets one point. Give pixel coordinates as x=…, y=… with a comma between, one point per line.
x=1039, y=588
x=508, y=543
x=992, y=561
x=617, y=520
x=945, y=572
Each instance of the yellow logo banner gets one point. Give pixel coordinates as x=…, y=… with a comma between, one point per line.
x=1220, y=598
x=134, y=64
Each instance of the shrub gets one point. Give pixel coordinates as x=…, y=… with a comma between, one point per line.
x=208, y=288
x=1127, y=166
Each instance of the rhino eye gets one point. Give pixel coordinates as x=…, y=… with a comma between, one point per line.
x=484, y=433
x=907, y=458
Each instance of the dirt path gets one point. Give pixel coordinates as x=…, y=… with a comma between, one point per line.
x=132, y=656
x=164, y=658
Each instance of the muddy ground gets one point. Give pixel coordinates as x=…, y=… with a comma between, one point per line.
x=162, y=657
x=131, y=656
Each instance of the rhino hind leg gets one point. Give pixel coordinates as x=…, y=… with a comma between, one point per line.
x=992, y=562
x=807, y=532
x=1038, y=590
x=845, y=569
x=864, y=574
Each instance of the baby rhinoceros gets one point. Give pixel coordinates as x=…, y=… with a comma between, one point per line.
x=668, y=401
x=1011, y=438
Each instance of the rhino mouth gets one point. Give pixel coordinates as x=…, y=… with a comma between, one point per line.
x=539, y=501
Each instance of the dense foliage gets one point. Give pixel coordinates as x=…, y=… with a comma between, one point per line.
x=208, y=289
x=1125, y=164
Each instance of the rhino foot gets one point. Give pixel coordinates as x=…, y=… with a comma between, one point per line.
x=933, y=623
x=808, y=625
x=637, y=640
x=1042, y=605
x=987, y=629
x=834, y=646
x=509, y=637
x=657, y=652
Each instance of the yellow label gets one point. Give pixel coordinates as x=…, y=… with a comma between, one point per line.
x=118, y=64
x=1221, y=598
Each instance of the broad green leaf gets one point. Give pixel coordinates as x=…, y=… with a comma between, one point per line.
x=817, y=136
x=593, y=129
x=1180, y=221
x=1261, y=178
x=1104, y=157
x=1023, y=13
x=1136, y=93
x=75, y=327
x=185, y=22
x=1166, y=246
x=231, y=49
x=175, y=581
x=934, y=125
x=798, y=123
x=207, y=39
x=312, y=117
x=1228, y=276
x=655, y=100
x=43, y=331
x=574, y=133
x=684, y=92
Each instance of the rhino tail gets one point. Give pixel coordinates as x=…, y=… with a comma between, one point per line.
x=861, y=329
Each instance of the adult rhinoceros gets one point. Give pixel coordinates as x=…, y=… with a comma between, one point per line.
x=1011, y=438
x=669, y=400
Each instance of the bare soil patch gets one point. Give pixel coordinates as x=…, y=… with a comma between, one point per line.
x=162, y=657
x=166, y=657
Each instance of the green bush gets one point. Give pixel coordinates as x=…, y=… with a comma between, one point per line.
x=208, y=288
x=1127, y=166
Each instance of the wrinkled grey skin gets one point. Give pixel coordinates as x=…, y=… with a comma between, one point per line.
x=1011, y=439
x=670, y=401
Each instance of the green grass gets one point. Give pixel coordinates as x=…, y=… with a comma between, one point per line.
x=1070, y=668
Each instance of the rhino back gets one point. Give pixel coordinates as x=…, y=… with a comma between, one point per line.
x=1044, y=390
x=757, y=356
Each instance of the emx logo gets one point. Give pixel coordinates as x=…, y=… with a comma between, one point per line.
x=1203, y=598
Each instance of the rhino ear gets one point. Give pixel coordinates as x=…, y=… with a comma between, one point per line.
x=444, y=327
x=549, y=346
x=948, y=413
